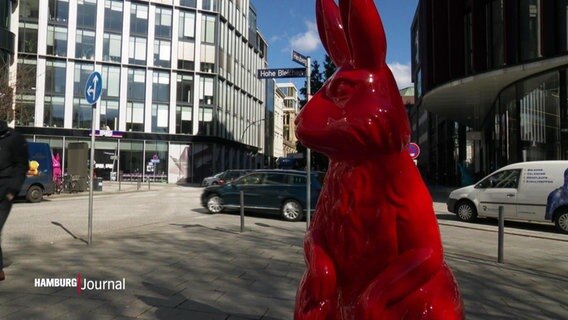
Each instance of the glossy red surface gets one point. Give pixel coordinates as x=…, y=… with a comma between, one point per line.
x=373, y=250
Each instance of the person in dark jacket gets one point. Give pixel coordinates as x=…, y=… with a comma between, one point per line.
x=13, y=167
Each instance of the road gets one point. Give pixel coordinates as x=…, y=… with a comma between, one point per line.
x=60, y=217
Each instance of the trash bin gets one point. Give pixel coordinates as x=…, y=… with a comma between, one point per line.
x=98, y=184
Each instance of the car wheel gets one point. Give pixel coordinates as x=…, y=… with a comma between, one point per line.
x=292, y=210
x=561, y=221
x=465, y=211
x=34, y=194
x=214, y=203
x=214, y=183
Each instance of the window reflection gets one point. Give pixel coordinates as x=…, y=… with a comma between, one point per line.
x=87, y=14
x=113, y=16
x=85, y=45
x=57, y=41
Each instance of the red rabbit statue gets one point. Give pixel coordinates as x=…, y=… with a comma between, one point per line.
x=373, y=250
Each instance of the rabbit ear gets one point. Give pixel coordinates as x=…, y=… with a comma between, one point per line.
x=331, y=31
x=365, y=32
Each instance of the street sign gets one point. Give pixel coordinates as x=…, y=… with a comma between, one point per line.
x=299, y=58
x=413, y=150
x=94, y=87
x=282, y=73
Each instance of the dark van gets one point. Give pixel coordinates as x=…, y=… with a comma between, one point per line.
x=39, y=180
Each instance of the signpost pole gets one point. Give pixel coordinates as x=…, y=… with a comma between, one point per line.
x=91, y=171
x=308, y=153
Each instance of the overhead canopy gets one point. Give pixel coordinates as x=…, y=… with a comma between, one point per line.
x=468, y=100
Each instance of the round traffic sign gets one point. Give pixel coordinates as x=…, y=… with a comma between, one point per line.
x=413, y=150
x=94, y=87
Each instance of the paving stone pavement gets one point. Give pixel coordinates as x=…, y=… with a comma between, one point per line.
x=204, y=268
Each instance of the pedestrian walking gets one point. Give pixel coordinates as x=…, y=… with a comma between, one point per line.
x=13, y=168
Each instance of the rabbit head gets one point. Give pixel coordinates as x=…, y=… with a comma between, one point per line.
x=359, y=111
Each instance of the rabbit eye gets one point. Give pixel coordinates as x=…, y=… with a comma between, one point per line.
x=341, y=89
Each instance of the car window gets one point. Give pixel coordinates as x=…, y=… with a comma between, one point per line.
x=254, y=178
x=275, y=178
x=501, y=180
x=295, y=179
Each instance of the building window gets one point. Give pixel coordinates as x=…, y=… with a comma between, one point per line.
x=139, y=19
x=59, y=11
x=57, y=41
x=136, y=84
x=55, y=75
x=27, y=37
x=82, y=72
x=529, y=29
x=184, y=88
x=137, y=50
x=208, y=56
x=25, y=111
x=135, y=116
x=495, y=32
x=210, y=5
x=184, y=119
x=205, y=120
x=162, y=53
x=85, y=45
x=112, y=47
x=87, y=14
x=206, y=90
x=161, y=87
x=208, y=29
x=163, y=23
x=109, y=114
x=562, y=24
x=53, y=111
x=29, y=10
x=188, y=3
x=113, y=15
x=468, y=43
x=82, y=114
x=186, y=25
x=186, y=55
x=111, y=81
x=160, y=117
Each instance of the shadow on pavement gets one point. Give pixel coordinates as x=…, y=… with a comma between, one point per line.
x=69, y=232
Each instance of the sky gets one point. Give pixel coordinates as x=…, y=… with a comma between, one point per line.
x=291, y=25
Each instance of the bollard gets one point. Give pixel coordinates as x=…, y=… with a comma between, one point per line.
x=242, y=211
x=501, y=235
x=138, y=183
x=148, y=177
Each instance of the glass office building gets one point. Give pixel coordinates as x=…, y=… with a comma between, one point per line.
x=179, y=83
x=7, y=38
x=491, y=84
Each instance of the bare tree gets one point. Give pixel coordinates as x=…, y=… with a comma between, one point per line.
x=14, y=86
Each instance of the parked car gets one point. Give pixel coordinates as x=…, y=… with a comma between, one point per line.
x=39, y=179
x=272, y=191
x=223, y=177
x=529, y=191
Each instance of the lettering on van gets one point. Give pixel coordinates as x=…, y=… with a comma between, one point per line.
x=537, y=176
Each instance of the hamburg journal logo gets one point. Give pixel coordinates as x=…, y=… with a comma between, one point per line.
x=81, y=284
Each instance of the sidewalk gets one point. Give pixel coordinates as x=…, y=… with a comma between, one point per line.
x=204, y=268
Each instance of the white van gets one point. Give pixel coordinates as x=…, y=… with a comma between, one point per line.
x=530, y=191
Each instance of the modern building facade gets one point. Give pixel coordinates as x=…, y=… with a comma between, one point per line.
x=7, y=37
x=179, y=83
x=491, y=84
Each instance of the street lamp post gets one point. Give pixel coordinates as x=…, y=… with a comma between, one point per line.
x=250, y=125
x=246, y=129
